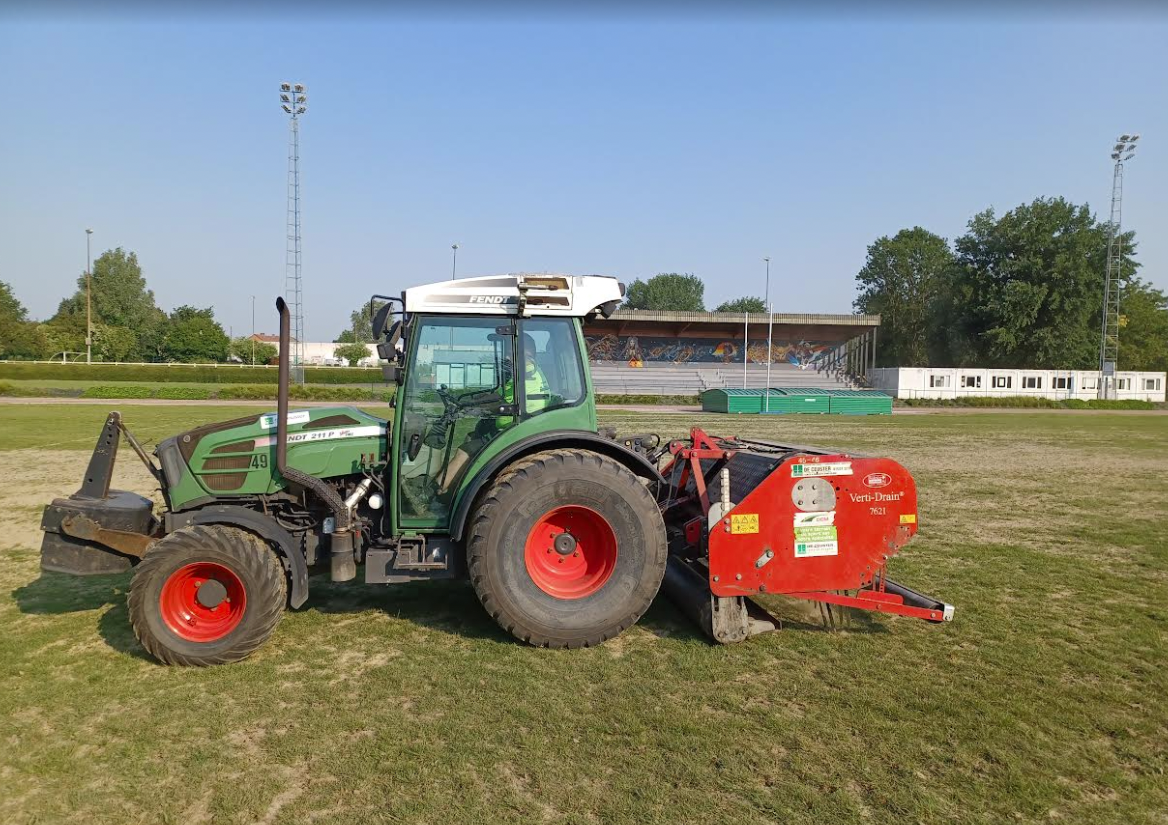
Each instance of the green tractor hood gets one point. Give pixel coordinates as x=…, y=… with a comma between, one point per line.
x=238, y=457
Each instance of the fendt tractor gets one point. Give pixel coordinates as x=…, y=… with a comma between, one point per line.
x=491, y=468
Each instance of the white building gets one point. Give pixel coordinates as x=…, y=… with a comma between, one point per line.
x=320, y=354
x=961, y=382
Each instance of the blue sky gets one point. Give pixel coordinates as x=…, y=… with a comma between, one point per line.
x=626, y=146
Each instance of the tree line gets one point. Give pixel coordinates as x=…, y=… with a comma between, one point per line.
x=127, y=323
x=1022, y=290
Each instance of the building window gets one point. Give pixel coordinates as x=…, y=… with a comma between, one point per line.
x=971, y=382
x=1090, y=383
x=1063, y=383
x=1002, y=382
x=1031, y=382
x=1151, y=384
x=1123, y=383
x=938, y=381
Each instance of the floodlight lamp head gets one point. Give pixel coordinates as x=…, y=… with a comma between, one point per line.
x=1119, y=147
x=1115, y=155
x=285, y=98
x=285, y=87
x=286, y=109
x=1134, y=138
x=301, y=110
x=1129, y=157
x=299, y=87
x=1124, y=138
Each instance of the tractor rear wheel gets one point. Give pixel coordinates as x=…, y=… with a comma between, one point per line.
x=567, y=549
x=206, y=595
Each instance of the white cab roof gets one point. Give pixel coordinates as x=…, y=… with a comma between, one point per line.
x=524, y=294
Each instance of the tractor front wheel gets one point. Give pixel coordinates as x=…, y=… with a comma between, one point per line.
x=567, y=549
x=206, y=595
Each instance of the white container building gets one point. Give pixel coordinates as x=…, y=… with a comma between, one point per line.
x=962, y=382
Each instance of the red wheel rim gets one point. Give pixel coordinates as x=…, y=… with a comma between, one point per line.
x=191, y=619
x=570, y=552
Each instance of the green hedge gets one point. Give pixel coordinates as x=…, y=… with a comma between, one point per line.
x=248, y=392
x=236, y=392
x=193, y=373
x=1027, y=403
x=120, y=391
x=183, y=393
x=671, y=400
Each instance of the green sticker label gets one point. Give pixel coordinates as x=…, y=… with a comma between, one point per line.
x=808, y=549
x=817, y=533
x=826, y=468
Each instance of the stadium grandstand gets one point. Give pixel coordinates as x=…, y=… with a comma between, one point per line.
x=642, y=352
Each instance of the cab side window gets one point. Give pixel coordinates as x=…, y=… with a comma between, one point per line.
x=553, y=375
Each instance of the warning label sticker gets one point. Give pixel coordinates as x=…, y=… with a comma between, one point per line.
x=744, y=522
x=827, y=468
x=814, y=519
x=808, y=549
x=908, y=518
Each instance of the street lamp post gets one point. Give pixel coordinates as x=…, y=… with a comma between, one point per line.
x=454, y=263
x=88, y=299
x=745, y=346
x=253, y=330
x=770, y=328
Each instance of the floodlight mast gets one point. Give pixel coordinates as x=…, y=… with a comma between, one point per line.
x=1123, y=151
x=293, y=101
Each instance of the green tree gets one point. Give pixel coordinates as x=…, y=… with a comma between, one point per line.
x=360, y=329
x=748, y=304
x=668, y=291
x=63, y=337
x=114, y=343
x=351, y=352
x=193, y=335
x=902, y=281
x=1143, y=334
x=243, y=348
x=1027, y=287
x=19, y=337
x=119, y=299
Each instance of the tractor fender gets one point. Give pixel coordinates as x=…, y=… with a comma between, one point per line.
x=553, y=439
x=264, y=527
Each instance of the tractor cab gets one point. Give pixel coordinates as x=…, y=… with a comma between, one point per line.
x=482, y=364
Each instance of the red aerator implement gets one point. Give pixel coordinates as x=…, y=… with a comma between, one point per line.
x=752, y=517
x=491, y=468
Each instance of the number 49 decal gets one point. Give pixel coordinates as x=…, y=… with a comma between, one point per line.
x=259, y=461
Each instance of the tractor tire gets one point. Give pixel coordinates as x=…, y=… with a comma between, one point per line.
x=567, y=549
x=206, y=595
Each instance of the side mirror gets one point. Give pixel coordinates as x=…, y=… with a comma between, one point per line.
x=380, y=318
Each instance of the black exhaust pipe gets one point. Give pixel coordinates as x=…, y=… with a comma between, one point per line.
x=342, y=561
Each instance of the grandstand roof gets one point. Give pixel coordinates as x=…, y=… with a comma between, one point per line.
x=737, y=318
x=794, y=326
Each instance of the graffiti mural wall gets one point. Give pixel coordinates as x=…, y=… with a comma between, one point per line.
x=635, y=350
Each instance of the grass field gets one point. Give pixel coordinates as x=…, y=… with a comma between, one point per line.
x=1046, y=700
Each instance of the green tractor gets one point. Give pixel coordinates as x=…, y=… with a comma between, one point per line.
x=492, y=468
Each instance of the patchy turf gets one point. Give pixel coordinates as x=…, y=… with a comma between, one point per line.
x=1043, y=701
